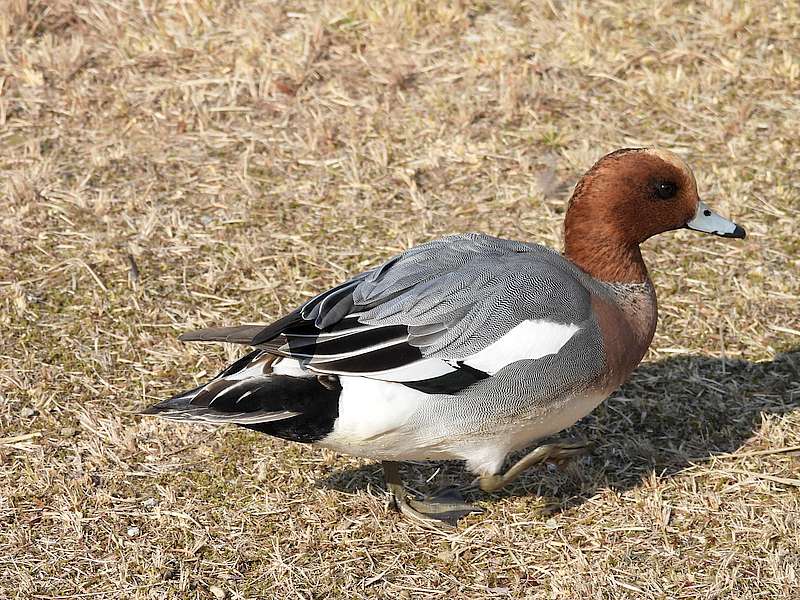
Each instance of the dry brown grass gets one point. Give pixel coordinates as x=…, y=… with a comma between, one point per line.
x=244, y=154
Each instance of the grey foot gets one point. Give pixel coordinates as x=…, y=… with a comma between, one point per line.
x=447, y=506
x=557, y=452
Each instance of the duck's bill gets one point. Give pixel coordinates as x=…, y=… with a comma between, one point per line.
x=707, y=220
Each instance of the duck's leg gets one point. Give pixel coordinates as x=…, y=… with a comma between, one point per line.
x=557, y=452
x=447, y=507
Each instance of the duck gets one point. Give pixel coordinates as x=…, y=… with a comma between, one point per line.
x=468, y=347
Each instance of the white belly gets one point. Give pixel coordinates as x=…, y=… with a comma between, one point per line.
x=390, y=421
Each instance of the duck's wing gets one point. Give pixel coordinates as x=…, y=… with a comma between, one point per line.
x=438, y=317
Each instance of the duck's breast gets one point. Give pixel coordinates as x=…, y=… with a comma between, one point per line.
x=625, y=316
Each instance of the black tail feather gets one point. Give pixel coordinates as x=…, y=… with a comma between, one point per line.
x=249, y=394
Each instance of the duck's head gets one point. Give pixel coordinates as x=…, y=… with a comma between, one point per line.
x=631, y=195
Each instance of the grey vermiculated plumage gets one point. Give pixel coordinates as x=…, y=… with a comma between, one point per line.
x=455, y=296
x=459, y=294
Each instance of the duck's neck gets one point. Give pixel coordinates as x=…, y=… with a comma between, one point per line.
x=605, y=258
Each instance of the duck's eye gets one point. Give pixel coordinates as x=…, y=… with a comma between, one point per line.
x=666, y=189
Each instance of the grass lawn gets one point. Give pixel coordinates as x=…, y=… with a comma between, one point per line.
x=173, y=164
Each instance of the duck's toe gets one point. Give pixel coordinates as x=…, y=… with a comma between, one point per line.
x=446, y=508
x=557, y=452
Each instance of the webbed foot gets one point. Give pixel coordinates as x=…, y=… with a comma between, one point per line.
x=557, y=452
x=447, y=506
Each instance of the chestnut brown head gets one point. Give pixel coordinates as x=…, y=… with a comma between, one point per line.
x=629, y=196
x=633, y=194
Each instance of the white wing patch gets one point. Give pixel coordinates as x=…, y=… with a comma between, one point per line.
x=527, y=341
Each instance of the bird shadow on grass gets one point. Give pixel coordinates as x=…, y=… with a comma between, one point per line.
x=669, y=415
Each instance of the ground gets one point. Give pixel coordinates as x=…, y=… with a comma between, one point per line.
x=174, y=164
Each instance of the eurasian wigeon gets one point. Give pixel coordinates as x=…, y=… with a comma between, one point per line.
x=468, y=347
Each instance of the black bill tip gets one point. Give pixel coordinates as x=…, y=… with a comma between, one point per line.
x=738, y=232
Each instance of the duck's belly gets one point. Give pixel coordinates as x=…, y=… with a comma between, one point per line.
x=389, y=421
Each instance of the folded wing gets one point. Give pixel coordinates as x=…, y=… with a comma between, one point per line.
x=438, y=317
